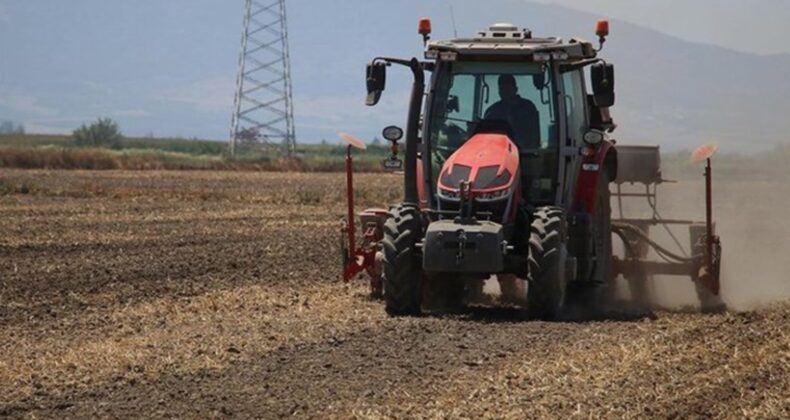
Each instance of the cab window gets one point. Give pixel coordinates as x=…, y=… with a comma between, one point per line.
x=515, y=97
x=575, y=105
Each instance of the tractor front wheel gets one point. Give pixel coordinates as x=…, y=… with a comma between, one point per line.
x=402, y=269
x=547, y=258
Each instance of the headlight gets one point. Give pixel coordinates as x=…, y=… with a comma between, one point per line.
x=493, y=196
x=594, y=137
x=392, y=133
x=489, y=196
x=449, y=194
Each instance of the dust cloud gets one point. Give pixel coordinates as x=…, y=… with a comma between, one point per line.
x=752, y=220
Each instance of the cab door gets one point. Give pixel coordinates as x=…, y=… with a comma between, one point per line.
x=577, y=123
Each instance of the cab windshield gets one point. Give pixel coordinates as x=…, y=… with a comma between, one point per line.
x=511, y=98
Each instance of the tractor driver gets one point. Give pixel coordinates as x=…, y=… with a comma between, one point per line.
x=520, y=113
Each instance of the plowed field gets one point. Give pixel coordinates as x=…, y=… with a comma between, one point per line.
x=198, y=294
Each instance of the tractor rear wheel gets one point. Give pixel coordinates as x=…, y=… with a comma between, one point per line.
x=547, y=257
x=589, y=297
x=402, y=269
x=602, y=229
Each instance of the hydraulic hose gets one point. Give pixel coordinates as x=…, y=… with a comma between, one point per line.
x=662, y=251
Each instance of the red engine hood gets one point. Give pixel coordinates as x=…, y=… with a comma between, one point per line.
x=489, y=161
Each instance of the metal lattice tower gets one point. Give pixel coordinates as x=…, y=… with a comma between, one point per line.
x=263, y=109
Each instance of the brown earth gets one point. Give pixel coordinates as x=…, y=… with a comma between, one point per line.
x=184, y=294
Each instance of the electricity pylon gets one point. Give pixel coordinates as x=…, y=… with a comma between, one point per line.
x=263, y=108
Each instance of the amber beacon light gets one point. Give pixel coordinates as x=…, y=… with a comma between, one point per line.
x=602, y=28
x=424, y=29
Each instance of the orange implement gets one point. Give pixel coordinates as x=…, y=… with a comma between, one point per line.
x=704, y=152
x=352, y=141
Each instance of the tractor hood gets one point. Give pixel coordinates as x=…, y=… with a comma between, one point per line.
x=490, y=162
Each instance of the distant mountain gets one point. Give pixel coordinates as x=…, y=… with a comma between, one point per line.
x=170, y=70
x=670, y=91
x=680, y=94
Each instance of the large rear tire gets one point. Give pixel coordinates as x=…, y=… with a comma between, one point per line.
x=547, y=256
x=602, y=231
x=402, y=269
x=590, y=297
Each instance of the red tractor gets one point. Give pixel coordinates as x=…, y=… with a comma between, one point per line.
x=507, y=172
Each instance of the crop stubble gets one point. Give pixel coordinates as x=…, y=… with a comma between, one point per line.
x=129, y=294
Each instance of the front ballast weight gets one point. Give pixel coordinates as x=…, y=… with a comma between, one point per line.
x=701, y=264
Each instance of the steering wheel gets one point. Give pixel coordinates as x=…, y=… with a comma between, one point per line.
x=455, y=136
x=439, y=158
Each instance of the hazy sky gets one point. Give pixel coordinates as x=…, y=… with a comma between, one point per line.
x=168, y=67
x=759, y=26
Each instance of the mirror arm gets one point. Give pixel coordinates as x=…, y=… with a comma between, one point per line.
x=391, y=60
x=426, y=65
x=580, y=64
x=411, y=196
x=601, y=41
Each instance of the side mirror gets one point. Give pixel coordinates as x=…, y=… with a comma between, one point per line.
x=539, y=81
x=453, y=104
x=376, y=81
x=602, y=77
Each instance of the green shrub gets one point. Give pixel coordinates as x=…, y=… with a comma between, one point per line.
x=178, y=145
x=102, y=133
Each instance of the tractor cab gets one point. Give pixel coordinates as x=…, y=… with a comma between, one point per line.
x=503, y=96
x=501, y=110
